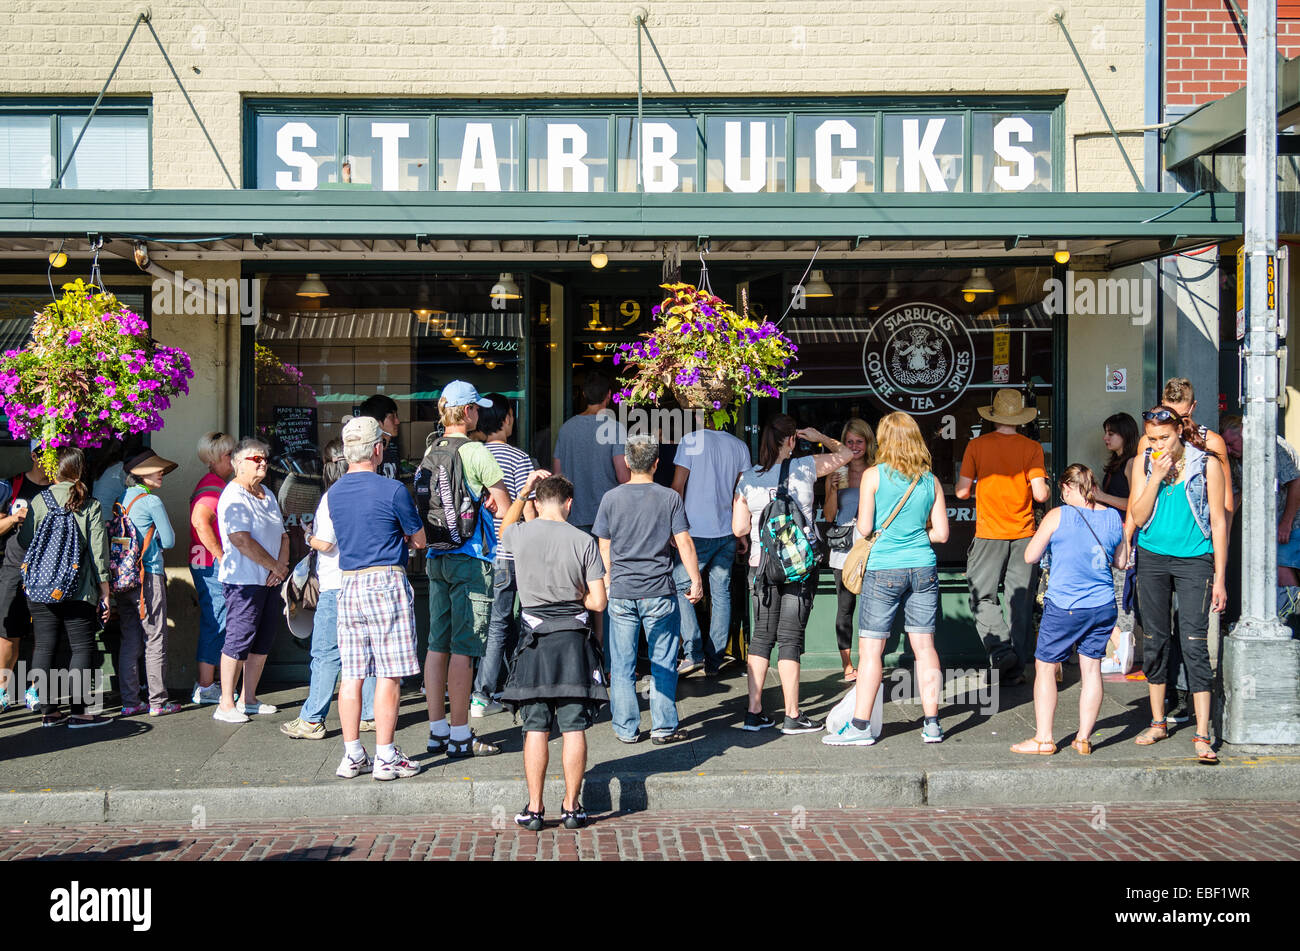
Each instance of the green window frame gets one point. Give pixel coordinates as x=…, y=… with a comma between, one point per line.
x=55, y=110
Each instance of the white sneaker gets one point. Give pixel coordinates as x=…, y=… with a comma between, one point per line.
x=478, y=707
x=209, y=694
x=260, y=708
x=229, y=716
x=849, y=735
x=351, y=768
x=398, y=766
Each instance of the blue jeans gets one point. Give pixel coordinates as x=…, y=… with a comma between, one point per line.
x=325, y=664
x=503, y=630
x=716, y=556
x=212, y=615
x=662, y=631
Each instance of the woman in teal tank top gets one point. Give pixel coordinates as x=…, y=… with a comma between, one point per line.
x=900, y=571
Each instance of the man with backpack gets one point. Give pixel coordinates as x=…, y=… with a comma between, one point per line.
x=635, y=525
x=15, y=615
x=459, y=484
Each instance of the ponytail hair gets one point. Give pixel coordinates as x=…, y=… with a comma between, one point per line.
x=775, y=433
x=70, y=467
x=1080, y=478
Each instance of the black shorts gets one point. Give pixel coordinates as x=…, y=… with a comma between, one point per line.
x=15, y=614
x=568, y=716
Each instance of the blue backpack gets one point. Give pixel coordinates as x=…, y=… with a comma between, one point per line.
x=54, y=556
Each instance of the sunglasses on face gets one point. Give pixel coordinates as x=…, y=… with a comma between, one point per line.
x=255, y=460
x=1161, y=416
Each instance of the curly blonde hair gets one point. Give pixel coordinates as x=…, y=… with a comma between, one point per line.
x=901, y=447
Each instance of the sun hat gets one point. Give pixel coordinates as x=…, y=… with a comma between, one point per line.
x=147, y=462
x=460, y=393
x=1008, y=409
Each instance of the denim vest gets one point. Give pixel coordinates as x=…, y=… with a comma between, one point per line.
x=1197, y=497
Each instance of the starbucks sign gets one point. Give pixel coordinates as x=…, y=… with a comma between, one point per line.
x=918, y=358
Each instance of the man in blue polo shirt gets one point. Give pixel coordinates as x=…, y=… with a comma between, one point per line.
x=374, y=519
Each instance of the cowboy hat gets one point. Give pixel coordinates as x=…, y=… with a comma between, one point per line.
x=1008, y=409
x=147, y=463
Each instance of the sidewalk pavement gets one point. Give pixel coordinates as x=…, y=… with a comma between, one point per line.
x=188, y=767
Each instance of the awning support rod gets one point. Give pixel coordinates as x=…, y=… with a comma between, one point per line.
x=1060, y=21
x=145, y=18
x=1190, y=198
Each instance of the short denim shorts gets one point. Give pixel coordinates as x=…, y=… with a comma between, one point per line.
x=916, y=588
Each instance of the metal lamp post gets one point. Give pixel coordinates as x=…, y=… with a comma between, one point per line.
x=1261, y=662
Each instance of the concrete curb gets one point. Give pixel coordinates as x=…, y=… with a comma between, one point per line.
x=603, y=792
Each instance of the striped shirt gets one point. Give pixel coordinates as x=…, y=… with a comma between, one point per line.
x=517, y=466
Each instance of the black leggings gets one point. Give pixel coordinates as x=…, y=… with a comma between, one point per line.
x=1157, y=578
x=780, y=617
x=76, y=621
x=846, y=610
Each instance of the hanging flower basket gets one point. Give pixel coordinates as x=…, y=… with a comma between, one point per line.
x=705, y=354
x=90, y=374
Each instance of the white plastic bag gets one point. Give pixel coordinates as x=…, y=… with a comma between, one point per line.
x=843, y=711
x=1119, y=654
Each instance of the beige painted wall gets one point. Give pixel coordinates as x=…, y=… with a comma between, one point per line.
x=1095, y=343
x=578, y=48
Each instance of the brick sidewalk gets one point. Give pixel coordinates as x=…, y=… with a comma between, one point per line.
x=1198, y=831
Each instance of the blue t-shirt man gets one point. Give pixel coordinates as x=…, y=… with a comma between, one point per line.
x=372, y=517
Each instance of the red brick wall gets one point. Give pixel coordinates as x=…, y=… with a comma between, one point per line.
x=1205, y=56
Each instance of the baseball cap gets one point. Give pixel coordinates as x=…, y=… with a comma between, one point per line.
x=460, y=393
x=363, y=430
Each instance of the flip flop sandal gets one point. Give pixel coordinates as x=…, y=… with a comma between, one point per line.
x=1154, y=733
x=1208, y=757
x=1041, y=747
x=1082, y=747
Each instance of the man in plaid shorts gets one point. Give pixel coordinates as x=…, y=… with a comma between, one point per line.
x=374, y=521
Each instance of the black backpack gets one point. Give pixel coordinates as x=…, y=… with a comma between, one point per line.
x=452, y=510
x=789, y=545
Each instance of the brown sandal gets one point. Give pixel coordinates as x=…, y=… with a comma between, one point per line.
x=1158, y=730
x=1082, y=747
x=1040, y=747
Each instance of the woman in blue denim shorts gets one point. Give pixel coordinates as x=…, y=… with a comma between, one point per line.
x=1086, y=538
x=901, y=569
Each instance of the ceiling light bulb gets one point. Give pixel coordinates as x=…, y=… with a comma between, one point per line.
x=313, y=287
x=598, y=257
x=817, y=286
x=478, y=360
x=977, y=283
x=1062, y=255
x=447, y=331
x=491, y=365
x=458, y=340
x=505, y=288
x=471, y=352
x=969, y=296
x=58, y=259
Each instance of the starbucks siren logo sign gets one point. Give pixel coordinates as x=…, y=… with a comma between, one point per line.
x=918, y=358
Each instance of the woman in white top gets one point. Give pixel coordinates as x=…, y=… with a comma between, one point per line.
x=251, y=529
x=325, y=662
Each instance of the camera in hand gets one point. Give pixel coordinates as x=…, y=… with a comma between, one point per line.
x=803, y=447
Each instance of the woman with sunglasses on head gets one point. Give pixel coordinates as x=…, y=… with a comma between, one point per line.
x=841, y=508
x=251, y=529
x=1086, y=538
x=205, y=557
x=1182, y=544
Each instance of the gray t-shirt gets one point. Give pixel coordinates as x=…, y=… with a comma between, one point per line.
x=586, y=448
x=640, y=520
x=758, y=488
x=714, y=460
x=553, y=561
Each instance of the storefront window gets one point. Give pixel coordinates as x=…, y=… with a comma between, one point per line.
x=1011, y=152
x=668, y=149
x=301, y=152
x=568, y=155
x=390, y=154
x=745, y=154
x=479, y=154
x=833, y=154
x=924, y=153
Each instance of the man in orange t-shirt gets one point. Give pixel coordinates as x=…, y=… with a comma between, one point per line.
x=1011, y=477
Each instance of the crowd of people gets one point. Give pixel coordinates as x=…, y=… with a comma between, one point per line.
x=544, y=583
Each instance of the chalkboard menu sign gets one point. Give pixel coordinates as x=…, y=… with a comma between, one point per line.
x=295, y=428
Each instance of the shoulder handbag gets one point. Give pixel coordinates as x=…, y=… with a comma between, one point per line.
x=855, y=565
